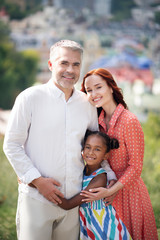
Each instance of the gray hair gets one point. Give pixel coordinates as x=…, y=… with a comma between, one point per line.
x=66, y=44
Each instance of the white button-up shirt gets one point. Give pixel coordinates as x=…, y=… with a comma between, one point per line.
x=44, y=137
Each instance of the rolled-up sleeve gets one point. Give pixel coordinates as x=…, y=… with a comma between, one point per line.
x=15, y=138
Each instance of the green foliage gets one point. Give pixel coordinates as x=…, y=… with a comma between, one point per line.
x=157, y=17
x=16, y=12
x=122, y=9
x=17, y=70
x=4, y=32
x=151, y=167
x=8, y=198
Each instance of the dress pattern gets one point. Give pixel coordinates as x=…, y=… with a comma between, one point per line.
x=98, y=221
x=132, y=203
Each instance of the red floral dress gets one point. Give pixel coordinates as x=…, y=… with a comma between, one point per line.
x=132, y=203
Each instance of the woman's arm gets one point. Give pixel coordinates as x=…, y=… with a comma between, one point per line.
x=134, y=141
x=101, y=192
x=96, y=182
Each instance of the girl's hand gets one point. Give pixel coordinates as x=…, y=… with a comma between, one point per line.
x=94, y=194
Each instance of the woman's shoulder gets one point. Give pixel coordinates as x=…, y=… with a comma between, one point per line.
x=129, y=120
x=128, y=116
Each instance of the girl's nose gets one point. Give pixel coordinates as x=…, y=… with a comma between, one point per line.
x=91, y=151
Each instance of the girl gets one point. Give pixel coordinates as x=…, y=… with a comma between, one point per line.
x=130, y=195
x=96, y=220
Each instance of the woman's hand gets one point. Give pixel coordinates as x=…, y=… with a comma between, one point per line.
x=111, y=183
x=94, y=194
x=109, y=200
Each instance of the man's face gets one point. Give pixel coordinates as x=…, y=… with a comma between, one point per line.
x=65, y=67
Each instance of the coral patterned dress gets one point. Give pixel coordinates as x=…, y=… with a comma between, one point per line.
x=132, y=203
x=98, y=222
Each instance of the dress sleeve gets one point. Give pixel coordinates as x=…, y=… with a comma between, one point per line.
x=134, y=142
x=15, y=138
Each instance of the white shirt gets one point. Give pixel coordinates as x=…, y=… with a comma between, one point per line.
x=44, y=135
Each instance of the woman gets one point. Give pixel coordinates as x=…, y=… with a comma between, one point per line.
x=129, y=195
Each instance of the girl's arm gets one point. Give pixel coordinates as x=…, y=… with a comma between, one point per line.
x=96, y=182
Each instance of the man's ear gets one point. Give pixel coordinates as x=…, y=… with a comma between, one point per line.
x=50, y=65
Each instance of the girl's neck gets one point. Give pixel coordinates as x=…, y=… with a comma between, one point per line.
x=91, y=169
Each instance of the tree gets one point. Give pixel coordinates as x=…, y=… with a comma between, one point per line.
x=151, y=166
x=122, y=9
x=17, y=70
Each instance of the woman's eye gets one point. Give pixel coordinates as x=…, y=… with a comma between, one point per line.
x=88, y=91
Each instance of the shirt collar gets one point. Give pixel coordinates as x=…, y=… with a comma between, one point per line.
x=112, y=122
x=58, y=92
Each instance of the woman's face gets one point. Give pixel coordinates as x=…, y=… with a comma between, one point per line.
x=99, y=93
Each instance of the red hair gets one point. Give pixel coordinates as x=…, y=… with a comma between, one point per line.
x=108, y=78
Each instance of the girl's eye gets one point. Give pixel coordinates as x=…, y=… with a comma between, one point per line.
x=87, y=147
x=99, y=87
x=97, y=149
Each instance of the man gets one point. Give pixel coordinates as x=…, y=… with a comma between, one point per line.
x=43, y=144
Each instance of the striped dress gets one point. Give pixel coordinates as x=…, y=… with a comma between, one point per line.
x=98, y=221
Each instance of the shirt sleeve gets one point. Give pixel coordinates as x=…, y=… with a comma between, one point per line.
x=15, y=138
x=110, y=174
x=93, y=126
x=134, y=141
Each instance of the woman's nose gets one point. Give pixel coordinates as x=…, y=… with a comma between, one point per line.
x=93, y=94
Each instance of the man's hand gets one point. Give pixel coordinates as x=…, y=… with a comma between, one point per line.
x=47, y=187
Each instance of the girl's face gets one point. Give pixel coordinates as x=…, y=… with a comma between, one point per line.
x=99, y=93
x=94, y=151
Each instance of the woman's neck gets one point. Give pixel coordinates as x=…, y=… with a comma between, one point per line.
x=109, y=110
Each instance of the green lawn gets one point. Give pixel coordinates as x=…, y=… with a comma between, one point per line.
x=8, y=200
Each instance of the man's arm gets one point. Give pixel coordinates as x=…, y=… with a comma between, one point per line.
x=98, y=181
x=15, y=138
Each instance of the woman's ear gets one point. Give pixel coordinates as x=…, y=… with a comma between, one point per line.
x=50, y=65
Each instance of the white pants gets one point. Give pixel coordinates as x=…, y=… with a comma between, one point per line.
x=38, y=221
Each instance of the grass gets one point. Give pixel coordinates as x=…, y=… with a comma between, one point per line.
x=8, y=200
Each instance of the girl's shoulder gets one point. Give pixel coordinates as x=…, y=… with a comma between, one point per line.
x=95, y=173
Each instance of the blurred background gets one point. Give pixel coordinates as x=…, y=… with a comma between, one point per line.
x=121, y=36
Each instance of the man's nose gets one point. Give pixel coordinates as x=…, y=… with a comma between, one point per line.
x=70, y=68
